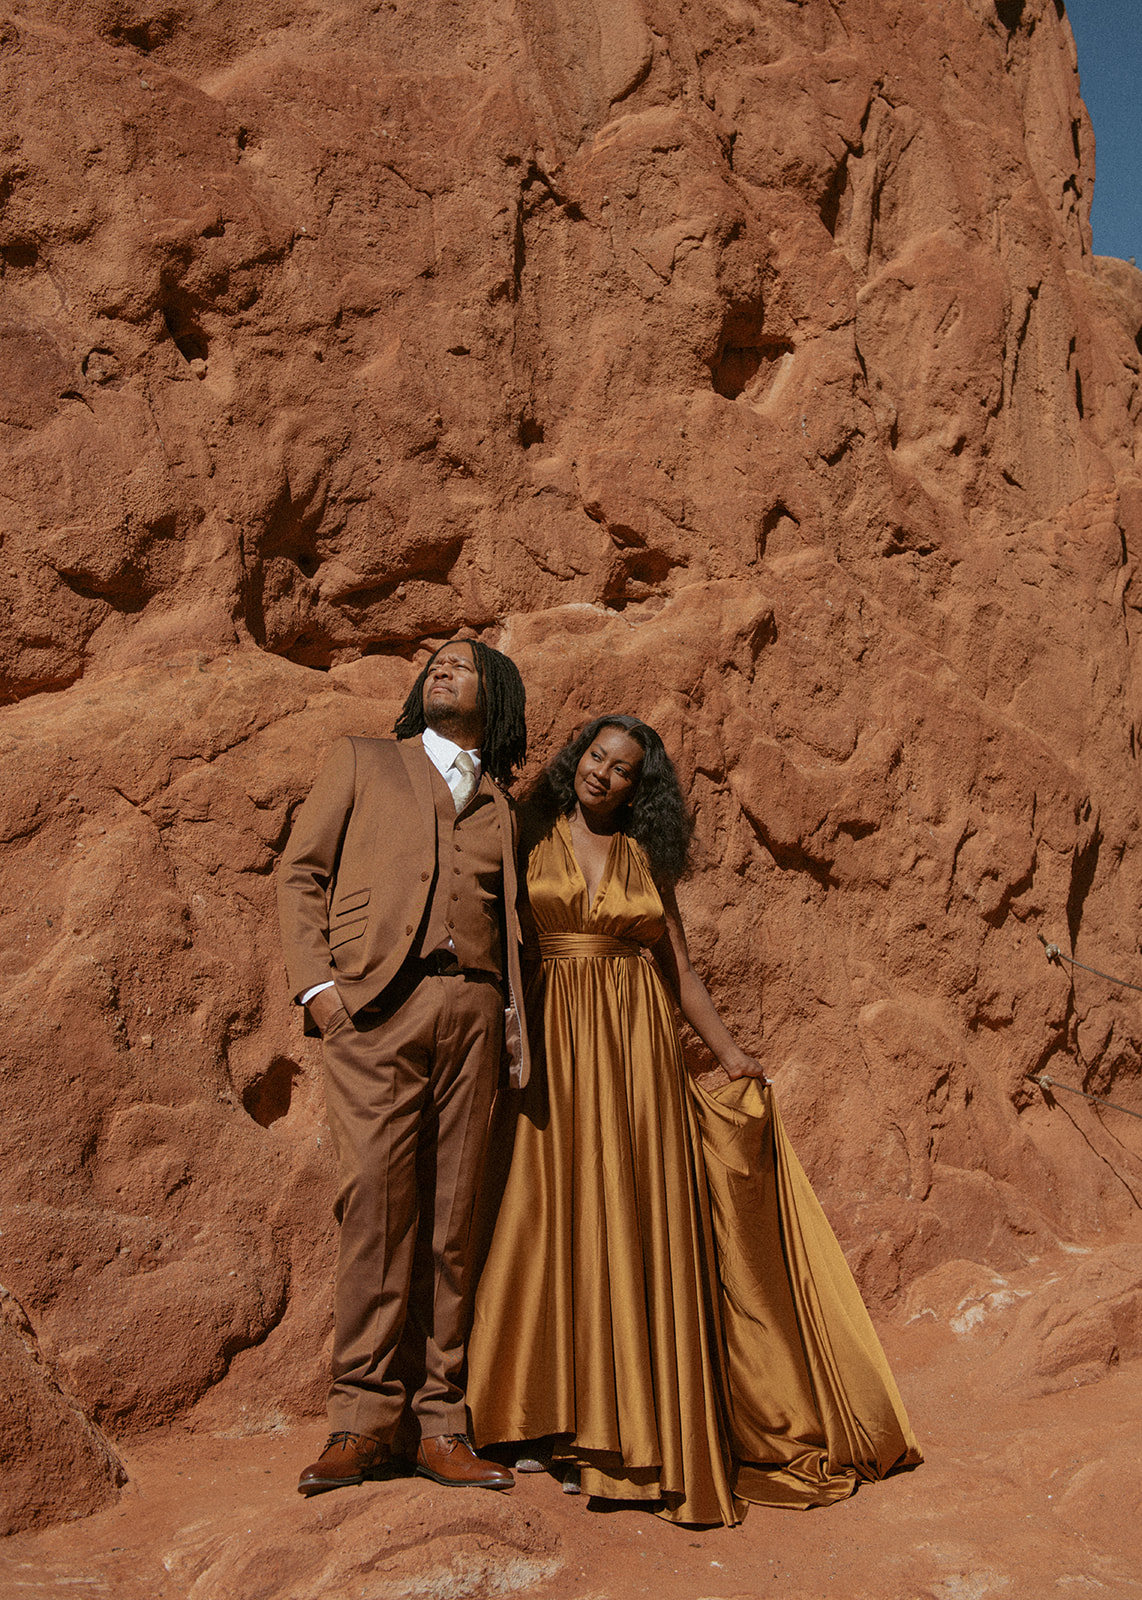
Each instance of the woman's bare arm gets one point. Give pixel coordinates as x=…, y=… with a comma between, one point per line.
x=693, y=997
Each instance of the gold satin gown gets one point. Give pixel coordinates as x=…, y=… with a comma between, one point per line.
x=661, y=1290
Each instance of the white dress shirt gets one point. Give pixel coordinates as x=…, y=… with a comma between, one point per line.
x=442, y=753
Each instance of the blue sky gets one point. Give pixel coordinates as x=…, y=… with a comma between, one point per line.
x=1108, y=34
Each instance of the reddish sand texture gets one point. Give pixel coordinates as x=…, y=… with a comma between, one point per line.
x=742, y=363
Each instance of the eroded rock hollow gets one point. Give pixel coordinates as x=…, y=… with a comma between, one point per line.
x=741, y=363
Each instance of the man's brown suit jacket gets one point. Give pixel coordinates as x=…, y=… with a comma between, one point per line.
x=357, y=872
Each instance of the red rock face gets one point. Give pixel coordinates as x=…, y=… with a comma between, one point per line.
x=742, y=365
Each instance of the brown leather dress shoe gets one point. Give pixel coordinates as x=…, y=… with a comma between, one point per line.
x=450, y=1459
x=348, y=1458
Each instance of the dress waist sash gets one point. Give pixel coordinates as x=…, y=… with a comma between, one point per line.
x=557, y=945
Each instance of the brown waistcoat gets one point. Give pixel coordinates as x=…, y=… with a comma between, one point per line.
x=467, y=891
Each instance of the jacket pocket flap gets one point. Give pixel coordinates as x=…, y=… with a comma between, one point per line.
x=352, y=900
x=344, y=932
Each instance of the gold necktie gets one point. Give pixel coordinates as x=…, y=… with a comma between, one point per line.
x=469, y=782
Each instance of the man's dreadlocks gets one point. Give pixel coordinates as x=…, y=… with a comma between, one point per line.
x=502, y=700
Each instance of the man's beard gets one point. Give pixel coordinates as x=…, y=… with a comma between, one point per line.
x=441, y=718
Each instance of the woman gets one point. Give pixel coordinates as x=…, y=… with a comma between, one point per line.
x=637, y=1301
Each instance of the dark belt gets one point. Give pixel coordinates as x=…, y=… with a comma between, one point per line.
x=437, y=964
x=444, y=964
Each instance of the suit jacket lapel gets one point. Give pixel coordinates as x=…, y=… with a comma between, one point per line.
x=506, y=817
x=416, y=762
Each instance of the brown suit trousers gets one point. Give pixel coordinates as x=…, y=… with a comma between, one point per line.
x=409, y=1096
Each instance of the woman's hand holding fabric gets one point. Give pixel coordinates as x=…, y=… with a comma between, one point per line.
x=737, y=1064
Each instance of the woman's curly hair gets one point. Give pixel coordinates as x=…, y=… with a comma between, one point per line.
x=657, y=816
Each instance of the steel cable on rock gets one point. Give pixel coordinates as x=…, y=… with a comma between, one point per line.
x=1044, y=1079
x=1055, y=954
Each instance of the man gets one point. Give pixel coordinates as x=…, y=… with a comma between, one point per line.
x=397, y=900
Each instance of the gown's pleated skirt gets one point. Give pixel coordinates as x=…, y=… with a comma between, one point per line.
x=688, y=1340
x=593, y=1316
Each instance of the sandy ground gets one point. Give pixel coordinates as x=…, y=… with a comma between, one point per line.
x=1017, y=1498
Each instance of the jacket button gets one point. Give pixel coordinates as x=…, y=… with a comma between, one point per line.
x=408, y=931
x=424, y=877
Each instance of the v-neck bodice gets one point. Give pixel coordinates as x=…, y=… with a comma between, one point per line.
x=627, y=904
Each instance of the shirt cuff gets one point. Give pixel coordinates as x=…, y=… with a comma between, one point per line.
x=304, y=999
